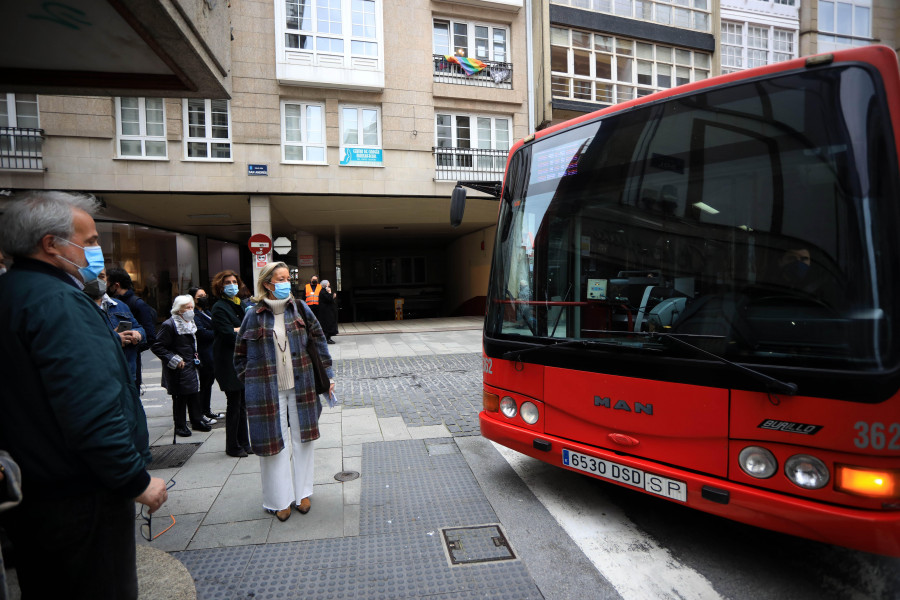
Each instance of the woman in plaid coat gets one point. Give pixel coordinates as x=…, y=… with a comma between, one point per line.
x=270, y=357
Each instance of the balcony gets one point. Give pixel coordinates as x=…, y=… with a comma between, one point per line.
x=469, y=164
x=495, y=74
x=20, y=148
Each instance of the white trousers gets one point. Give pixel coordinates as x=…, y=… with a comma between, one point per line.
x=287, y=478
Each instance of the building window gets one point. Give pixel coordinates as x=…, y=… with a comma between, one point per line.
x=302, y=132
x=592, y=67
x=688, y=14
x=471, y=147
x=21, y=139
x=361, y=136
x=474, y=40
x=746, y=45
x=326, y=26
x=207, y=129
x=732, y=47
x=141, y=128
x=844, y=24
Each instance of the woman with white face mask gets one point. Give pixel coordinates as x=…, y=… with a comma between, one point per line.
x=271, y=357
x=176, y=347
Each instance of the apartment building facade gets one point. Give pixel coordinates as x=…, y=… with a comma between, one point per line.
x=348, y=124
x=829, y=25
x=591, y=54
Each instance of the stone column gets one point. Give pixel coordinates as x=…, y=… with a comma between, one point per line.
x=260, y=222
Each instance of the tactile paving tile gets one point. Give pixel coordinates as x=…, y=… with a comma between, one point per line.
x=401, y=560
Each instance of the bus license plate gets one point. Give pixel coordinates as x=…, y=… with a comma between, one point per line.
x=655, y=484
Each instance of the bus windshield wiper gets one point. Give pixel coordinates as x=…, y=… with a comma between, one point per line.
x=771, y=384
x=517, y=354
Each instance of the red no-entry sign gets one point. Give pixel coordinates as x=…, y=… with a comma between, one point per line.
x=260, y=244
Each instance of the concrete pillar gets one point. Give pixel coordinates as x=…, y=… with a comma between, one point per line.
x=260, y=222
x=307, y=250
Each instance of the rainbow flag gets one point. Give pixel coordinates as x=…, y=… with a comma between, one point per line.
x=469, y=65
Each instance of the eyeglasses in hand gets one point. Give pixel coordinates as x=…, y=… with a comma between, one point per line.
x=146, y=528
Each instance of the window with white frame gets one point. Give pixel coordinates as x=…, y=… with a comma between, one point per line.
x=207, y=129
x=757, y=46
x=602, y=68
x=475, y=40
x=732, y=47
x=19, y=147
x=332, y=26
x=360, y=136
x=477, y=142
x=302, y=132
x=844, y=24
x=688, y=14
x=746, y=45
x=141, y=128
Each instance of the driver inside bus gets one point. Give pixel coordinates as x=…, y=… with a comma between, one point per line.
x=794, y=266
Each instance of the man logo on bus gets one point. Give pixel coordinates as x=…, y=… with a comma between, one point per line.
x=639, y=407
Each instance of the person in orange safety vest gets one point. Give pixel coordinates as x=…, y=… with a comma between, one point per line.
x=312, y=294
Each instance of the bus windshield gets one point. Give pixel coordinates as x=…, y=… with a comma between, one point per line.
x=731, y=218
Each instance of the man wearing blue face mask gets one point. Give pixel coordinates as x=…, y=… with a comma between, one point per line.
x=71, y=418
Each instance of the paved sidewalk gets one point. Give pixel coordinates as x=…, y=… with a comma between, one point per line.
x=374, y=536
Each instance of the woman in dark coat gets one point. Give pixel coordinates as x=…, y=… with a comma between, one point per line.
x=176, y=347
x=328, y=311
x=227, y=314
x=204, y=343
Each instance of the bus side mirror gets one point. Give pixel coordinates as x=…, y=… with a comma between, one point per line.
x=457, y=205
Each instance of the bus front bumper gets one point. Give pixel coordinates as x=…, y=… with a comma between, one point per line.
x=871, y=531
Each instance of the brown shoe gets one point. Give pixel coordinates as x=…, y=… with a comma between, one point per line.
x=304, y=506
x=281, y=515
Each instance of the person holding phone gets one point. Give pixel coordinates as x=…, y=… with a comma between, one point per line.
x=120, y=320
x=176, y=347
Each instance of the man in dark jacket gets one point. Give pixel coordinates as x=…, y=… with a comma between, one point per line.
x=72, y=420
x=121, y=288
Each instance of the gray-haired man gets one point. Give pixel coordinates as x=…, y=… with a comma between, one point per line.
x=72, y=419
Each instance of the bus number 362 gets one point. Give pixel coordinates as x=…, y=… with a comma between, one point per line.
x=873, y=435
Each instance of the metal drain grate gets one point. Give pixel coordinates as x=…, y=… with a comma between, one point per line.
x=171, y=456
x=478, y=544
x=346, y=476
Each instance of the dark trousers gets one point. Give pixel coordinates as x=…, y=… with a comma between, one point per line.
x=207, y=378
x=81, y=547
x=236, y=434
x=192, y=401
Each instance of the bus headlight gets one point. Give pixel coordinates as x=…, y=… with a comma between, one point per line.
x=806, y=471
x=758, y=462
x=529, y=413
x=508, y=407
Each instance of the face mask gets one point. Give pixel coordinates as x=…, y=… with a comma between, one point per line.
x=315, y=282
x=95, y=288
x=231, y=290
x=2, y=270
x=795, y=271
x=188, y=315
x=94, y=257
x=282, y=290
x=202, y=302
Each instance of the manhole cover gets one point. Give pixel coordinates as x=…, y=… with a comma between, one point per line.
x=346, y=476
x=171, y=456
x=478, y=544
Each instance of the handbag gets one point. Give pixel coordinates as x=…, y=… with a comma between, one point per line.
x=323, y=383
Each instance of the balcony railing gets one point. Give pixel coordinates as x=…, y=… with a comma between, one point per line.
x=21, y=148
x=469, y=164
x=495, y=74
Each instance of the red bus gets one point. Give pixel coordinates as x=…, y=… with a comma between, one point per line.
x=694, y=294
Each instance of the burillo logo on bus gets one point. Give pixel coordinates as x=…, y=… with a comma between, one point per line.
x=694, y=295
